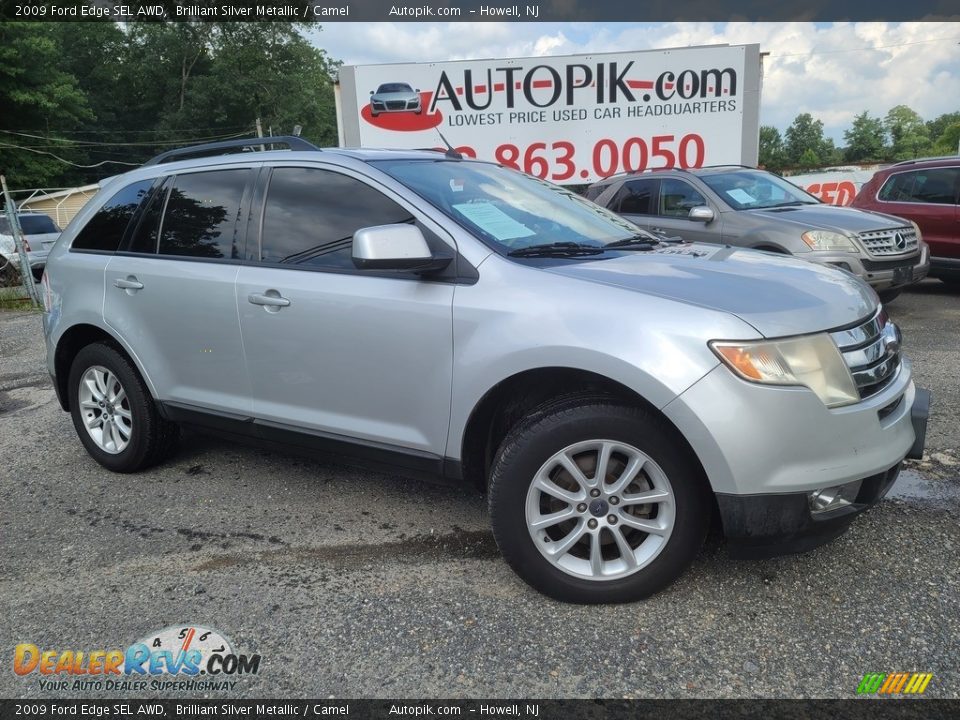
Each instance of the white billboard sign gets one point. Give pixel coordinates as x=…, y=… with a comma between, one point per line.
x=570, y=119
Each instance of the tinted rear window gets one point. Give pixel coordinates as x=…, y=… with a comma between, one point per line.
x=636, y=197
x=105, y=230
x=37, y=225
x=201, y=215
x=937, y=186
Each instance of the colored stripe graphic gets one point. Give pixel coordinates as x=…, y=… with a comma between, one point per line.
x=894, y=683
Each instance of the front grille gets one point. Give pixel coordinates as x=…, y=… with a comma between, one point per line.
x=893, y=241
x=396, y=105
x=872, y=352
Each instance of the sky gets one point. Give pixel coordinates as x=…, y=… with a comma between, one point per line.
x=832, y=70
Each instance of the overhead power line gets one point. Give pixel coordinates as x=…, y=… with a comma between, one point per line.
x=59, y=142
x=69, y=162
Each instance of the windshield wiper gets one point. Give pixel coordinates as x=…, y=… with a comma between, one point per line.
x=792, y=203
x=637, y=242
x=556, y=249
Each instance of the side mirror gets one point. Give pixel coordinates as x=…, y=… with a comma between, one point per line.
x=371, y=92
x=417, y=90
x=701, y=213
x=395, y=247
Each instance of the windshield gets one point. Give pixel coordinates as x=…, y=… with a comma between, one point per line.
x=752, y=189
x=394, y=88
x=508, y=210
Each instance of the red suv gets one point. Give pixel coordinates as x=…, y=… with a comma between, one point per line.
x=928, y=193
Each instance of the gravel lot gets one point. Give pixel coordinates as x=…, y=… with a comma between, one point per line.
x=357, y=584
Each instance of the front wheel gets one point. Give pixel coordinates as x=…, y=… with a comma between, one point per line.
x=114, y=414
x=594, y=502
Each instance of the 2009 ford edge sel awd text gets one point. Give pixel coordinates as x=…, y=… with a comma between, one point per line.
x=609, y=393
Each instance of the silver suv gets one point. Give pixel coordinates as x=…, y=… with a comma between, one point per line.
x=756, y=209
x=457, y=319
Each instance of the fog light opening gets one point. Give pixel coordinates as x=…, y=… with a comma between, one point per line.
x=833, y=498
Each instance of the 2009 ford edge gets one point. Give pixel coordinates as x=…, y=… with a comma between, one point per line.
x=453, y=317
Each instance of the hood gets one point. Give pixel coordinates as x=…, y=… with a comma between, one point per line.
x=830, y=217
x=776, y=294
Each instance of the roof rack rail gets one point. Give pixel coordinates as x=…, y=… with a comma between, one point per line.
x=217, y=148
x=627, y=173
x=927, y=159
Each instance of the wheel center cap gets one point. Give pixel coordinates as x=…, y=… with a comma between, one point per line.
x=598, y=508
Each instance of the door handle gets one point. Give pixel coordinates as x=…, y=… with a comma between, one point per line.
x=130, y=283
x=267, y=300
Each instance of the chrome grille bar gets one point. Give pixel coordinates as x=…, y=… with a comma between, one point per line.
x=892, y=241
x=872, y=352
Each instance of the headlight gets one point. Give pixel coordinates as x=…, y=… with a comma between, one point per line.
x=826, y=240
x=916, y=229
x=812, y=361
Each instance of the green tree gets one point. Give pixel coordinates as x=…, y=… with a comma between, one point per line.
x=866, y=139
x=808, y=160
x=909, y=136
x=804, y=139
x=771, y=148
x=36, y=93
x=944, y=131
x=265, y=70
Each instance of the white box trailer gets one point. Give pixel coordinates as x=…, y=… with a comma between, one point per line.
x=570, y=119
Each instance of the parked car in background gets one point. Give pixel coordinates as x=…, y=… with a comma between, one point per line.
x=395, y=97
x=40, y=233
x=456, y=318
x=926, y=192
x=752, y=208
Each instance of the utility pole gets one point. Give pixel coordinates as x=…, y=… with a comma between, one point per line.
x=26, y=275
x=260, y=133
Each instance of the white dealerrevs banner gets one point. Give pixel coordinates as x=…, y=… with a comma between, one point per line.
x=570, y=119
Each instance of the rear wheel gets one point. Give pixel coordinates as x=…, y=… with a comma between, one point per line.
x=113, y=413
x=594, y=502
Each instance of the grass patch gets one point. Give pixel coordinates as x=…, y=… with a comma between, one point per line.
x=15, y=298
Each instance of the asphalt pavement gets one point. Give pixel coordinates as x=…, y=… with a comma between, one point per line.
x=350, y=583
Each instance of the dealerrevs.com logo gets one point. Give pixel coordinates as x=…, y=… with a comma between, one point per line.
x=181, y=657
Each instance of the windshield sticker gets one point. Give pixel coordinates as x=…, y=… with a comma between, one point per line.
x=741, y=196
x=493, y=220
x=456, y=185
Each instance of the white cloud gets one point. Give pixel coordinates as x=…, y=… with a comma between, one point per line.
x=827, y=71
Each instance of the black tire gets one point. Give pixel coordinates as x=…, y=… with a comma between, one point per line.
x=554, y=427
x=152, y=440
x=888, y=296
x=951, y=282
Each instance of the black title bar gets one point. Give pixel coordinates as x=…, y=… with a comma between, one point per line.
x=872, y=709
x=328, y=11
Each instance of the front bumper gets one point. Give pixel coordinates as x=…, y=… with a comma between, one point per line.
x=769, y=525
x=886, y=274
x=944, y=267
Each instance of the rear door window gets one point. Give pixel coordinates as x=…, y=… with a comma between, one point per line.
x=202, y=215
x=937, y=186
x=636, y=197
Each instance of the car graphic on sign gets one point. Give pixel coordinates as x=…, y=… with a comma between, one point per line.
x=395, y=97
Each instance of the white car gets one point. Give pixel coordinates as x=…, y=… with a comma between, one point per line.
x=39, y=233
